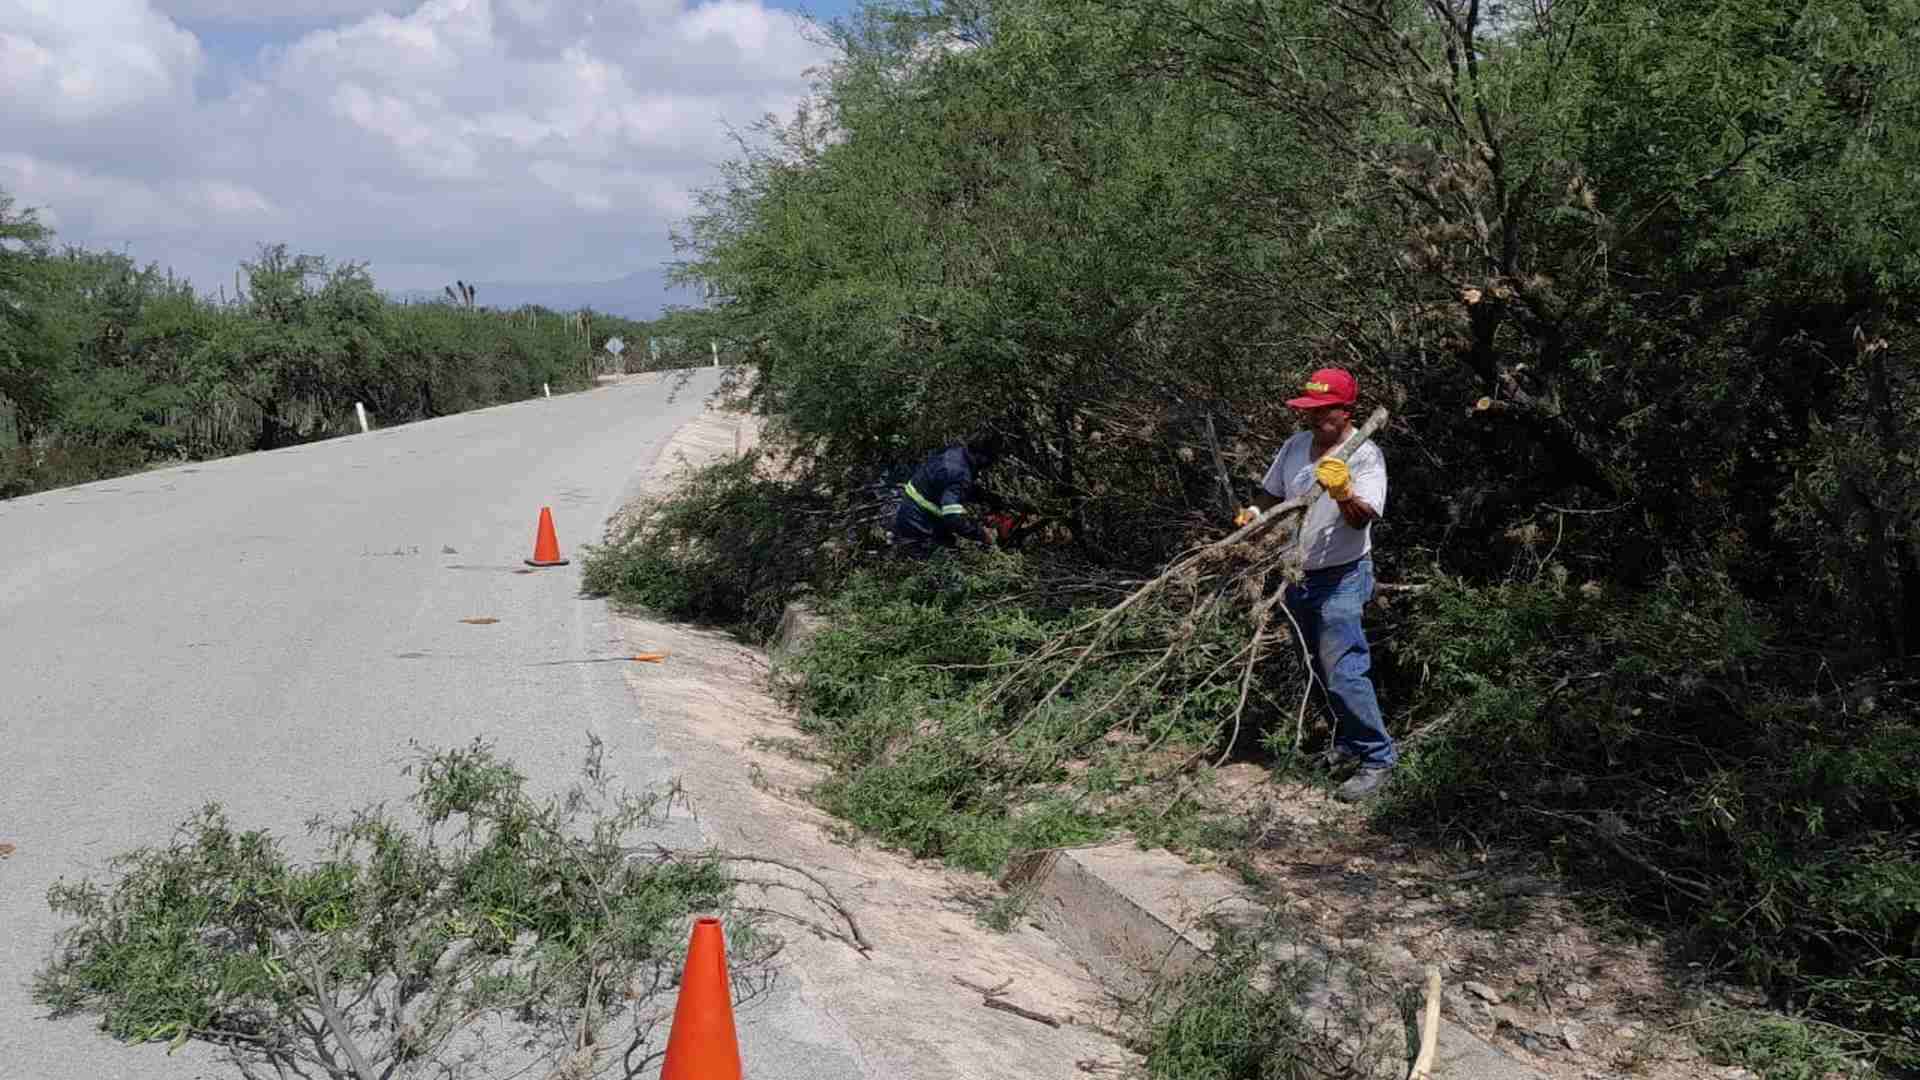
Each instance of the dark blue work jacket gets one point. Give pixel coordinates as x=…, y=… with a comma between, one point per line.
x=933, y=505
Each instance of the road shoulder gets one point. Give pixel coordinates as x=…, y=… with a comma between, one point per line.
x=906, y=1003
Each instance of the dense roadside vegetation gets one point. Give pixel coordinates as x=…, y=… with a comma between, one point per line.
x=1637, y=282
x=107, y=367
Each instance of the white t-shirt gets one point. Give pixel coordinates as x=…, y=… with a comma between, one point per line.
x=1326, y=538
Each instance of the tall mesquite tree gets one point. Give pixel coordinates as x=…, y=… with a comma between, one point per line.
x=985, y=222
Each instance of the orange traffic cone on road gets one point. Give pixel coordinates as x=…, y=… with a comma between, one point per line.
x=702, y=1044
x=546, y=546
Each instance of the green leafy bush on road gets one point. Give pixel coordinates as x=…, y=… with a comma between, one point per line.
x=404, y=939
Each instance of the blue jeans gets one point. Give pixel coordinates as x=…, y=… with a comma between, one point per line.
x=1327, y=605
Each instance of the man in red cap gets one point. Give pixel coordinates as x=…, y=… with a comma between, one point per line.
x=1337, y=539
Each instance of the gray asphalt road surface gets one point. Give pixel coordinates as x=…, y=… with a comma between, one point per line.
x=270, y=630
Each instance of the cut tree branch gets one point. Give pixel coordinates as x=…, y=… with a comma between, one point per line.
x=336, y=1025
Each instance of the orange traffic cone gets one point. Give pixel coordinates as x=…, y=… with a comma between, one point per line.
x=546, y=546
x=702, y=1045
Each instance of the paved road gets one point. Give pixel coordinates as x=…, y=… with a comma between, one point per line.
x=270, y=630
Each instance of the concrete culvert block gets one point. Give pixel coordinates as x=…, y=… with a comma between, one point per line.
x=799, y=625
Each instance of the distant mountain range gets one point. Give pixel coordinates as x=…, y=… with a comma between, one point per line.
x=640, y=295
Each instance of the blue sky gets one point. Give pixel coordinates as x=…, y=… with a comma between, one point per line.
x=489, y=140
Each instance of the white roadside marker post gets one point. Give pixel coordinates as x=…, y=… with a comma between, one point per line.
x=547, y=390
x=361, y=411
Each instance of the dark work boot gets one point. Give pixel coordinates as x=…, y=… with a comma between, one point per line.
x=1364, y=785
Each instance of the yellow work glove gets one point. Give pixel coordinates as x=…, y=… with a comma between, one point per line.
x=1335, y=477
x=1247, y=516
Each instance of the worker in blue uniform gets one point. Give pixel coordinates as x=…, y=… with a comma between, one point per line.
x=935, y=505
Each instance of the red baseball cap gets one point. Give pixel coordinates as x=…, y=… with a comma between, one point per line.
x=1328, y=386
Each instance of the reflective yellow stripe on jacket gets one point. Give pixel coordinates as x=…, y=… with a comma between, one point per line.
x=921, y=500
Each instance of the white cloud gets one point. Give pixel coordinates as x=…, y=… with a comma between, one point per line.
x=79, y=63
x=234, y=202
x=125, y=206
x=266, y=11
x=414, y=136
x=476, y=138
x=746, y=26
x=428, y=48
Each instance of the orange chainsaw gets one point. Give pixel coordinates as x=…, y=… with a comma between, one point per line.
x=1012, y=529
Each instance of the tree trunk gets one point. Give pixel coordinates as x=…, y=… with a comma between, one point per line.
x=1904, y=631
x=1874, y=585
x=1065, y=483
x=1907, y=556
x=272, y=429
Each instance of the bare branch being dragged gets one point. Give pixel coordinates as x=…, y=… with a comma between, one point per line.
x=1267, y=543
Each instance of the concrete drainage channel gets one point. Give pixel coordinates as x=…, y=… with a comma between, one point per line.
x=1132, y=916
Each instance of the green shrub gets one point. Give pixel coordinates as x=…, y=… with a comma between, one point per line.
x=730, y=546
x=892, y=691
x=1235, y=1018
x=26, y=471
x=488, y=905
x=1630, y=735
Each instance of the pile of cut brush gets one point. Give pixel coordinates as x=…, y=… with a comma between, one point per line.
x=1229, y=580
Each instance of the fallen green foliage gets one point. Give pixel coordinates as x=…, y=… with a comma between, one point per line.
x=894, y=690
x=731, y=546
x=925, y=698
x=404, y=941
x=1778, y=1048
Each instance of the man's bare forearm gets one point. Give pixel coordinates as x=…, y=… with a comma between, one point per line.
x=1356, y=511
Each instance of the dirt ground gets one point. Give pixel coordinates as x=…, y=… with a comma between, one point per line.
x=1523, y=965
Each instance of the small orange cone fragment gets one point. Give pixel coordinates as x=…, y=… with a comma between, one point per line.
x=651, y=657
x=546, y=546
x=702, y=1044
